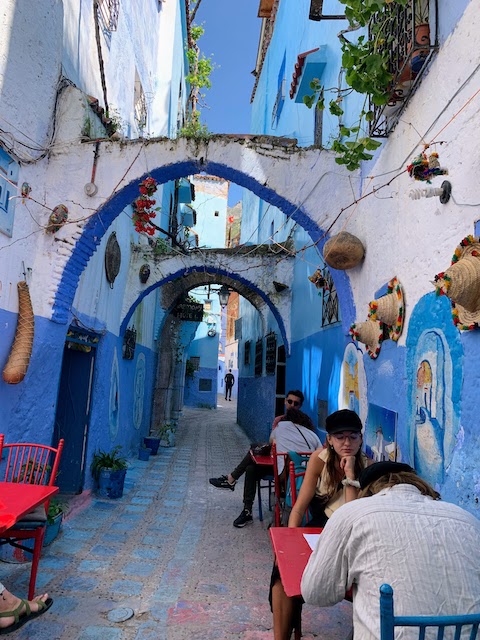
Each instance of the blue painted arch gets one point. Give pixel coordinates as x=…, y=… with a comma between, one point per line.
x=221, y=274
x=99, y=223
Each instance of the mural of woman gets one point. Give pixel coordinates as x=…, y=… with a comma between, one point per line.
x=431, y=389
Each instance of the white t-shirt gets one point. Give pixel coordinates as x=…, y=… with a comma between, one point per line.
x=289, y=436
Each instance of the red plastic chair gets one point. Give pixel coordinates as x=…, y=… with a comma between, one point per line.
x=30, y=464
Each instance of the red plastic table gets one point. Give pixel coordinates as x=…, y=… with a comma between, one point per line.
x=17, y=499
x=262, y=460
x=292, y=553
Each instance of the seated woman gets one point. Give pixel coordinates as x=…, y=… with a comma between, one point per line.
x=330, y=481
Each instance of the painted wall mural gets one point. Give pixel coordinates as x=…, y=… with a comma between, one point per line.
x=435, y=369
x=381, y=434
x=353, y=384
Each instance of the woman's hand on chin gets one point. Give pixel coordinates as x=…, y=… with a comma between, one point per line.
x=347, y=465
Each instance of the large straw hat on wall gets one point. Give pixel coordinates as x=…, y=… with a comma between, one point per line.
x=370, y=333
x=461, y=283
x=390, y=309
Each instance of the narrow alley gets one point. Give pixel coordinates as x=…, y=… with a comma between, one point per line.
x=168, y=551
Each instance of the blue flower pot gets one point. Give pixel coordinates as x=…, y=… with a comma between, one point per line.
x=110, y=483
x=53, y=529
x=144, y=454
x=152, y=444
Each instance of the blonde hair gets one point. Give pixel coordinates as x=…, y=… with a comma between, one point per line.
x=402, y=477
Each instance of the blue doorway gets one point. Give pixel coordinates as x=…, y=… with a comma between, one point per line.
x=73, y=407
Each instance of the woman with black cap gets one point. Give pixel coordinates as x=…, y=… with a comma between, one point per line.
x=331, y=480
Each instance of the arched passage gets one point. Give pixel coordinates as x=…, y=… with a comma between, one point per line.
x=285, y=177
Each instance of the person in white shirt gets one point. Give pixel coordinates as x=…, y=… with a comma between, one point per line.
x=398, y=532
x=294, y=433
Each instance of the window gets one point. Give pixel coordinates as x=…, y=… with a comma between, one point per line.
x=280, y=98
x=195, y=362
x=205, y=384
x=271, y=354
x=216, y=214
x=108, y=18
x=238, y=328
x=330, y=311
x=318, y=125
x=139, y=104
x=258, y=358
x=108, y=12
x=246, y=353
x=410, y=38
x=9, y=170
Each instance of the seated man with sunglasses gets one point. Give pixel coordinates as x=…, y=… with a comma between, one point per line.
x=293, y=400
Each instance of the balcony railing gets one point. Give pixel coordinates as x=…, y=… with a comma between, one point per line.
x=410, y=37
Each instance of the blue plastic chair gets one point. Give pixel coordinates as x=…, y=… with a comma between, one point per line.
x=388, y=620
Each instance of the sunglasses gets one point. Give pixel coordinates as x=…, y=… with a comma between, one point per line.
x=295, y=403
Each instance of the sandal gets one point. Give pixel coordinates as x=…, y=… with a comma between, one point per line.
x=20, y=619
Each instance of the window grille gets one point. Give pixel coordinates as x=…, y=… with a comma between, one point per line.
x=330, y=311
x=108, y=11
x=271, y=354
x=410, y=39
x=258, y=358
x=246, y=354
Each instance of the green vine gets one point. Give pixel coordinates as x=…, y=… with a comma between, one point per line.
x=366, y=63
x=200, y=68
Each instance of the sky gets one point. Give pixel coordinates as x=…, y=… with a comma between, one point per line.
x=231, y=35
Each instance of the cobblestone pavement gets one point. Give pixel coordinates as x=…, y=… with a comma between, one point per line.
x=167, y=550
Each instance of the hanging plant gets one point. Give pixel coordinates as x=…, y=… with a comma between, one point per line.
x=366, y=64
x=143, y=213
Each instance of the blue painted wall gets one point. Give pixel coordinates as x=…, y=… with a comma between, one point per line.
x=193, y=397
x=256, y=397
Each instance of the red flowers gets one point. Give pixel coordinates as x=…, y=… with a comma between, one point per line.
x=142, y=207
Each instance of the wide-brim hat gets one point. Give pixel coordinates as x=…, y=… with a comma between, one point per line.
x=461, y=283
x=370, y=333
x=390, y=309
x=378, y=469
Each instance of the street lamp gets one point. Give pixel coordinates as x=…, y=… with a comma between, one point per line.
x=223, y=295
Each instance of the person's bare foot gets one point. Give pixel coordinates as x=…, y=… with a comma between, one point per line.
x=9, y=602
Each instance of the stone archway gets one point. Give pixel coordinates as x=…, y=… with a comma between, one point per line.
x=276, y=170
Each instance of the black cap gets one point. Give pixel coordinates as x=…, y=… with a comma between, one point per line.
x=343, y=420
x=379, y=469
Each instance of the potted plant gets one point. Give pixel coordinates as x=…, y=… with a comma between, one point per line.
x=152, y=442
x=144, y=453
x=108, y=470
x=167, y=435
x=56, y=510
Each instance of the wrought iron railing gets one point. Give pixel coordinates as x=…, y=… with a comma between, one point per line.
x=410, y=38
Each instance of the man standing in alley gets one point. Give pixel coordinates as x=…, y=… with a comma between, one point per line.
x=396, y=532
x=229, y=382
